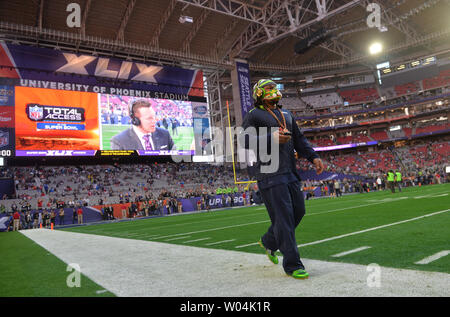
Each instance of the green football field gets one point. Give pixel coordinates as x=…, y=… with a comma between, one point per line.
x=183, y=141
x=400, y=229
x=408, y=230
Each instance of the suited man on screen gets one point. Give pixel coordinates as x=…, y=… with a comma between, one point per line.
x=143, y=134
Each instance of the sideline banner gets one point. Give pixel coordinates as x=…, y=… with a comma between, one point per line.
x=245, y=88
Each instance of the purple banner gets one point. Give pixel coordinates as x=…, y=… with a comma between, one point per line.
x=245, y=89
x=214, y=201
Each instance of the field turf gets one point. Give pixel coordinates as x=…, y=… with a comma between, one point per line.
x=392, y=230
x=393, y=226
x=28, y=270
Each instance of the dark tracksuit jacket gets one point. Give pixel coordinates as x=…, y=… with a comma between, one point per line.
x=280, y=190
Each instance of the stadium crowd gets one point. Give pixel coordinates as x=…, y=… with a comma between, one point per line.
x=111, y=184
x=169, y=113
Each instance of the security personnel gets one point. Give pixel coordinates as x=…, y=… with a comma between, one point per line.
x=398, y=180
x=391, y=180
x=281, y=189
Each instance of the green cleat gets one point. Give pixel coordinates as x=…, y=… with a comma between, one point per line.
x=270, y=254
x=301, y=274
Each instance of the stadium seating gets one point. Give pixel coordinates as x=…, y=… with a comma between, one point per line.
x=359, y=138
x=379, y=136
x=344, y=140
x=359, y=95
x=323, y=100
x=442, y=80
x=432, y=128
x=407, y=89
x=407, y=131
x=323, y=142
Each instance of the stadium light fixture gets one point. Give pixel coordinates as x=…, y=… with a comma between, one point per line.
x=185, y=18
x=375, y=48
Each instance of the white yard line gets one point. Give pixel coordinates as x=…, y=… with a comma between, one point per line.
x=434, y=257
x=196, y=240
x=245, y=245
x=220, y=242
x=350, y=252
x=178, y=238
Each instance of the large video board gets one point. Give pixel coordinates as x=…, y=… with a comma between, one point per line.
x=55, y=103
x=59, y=122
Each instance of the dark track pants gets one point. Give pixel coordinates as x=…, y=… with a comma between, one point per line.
x=286, y=207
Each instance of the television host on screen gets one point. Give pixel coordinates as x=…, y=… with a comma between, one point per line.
x=143, y=134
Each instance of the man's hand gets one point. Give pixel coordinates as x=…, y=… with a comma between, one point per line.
x=318, y=165
x=280, y=138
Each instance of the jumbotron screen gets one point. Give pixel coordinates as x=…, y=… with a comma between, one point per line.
x=50, y=122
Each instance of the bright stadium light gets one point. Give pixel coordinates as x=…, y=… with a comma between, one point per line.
x=375, y=48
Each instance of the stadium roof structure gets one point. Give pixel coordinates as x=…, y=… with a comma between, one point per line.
x=264, y=32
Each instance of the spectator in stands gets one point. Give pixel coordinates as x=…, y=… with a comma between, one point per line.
x=40, y=218
x=331, y=188
x=143, y=135
x=74, y=215
x=80, y=215
x=437, y=176
x=379, y=183
x=53, y=217
x=337, y=187
x=36, y=220
x=16, y=219
x=46, y=218
x=124, y=211
x=61, y=216
x=28, y=220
